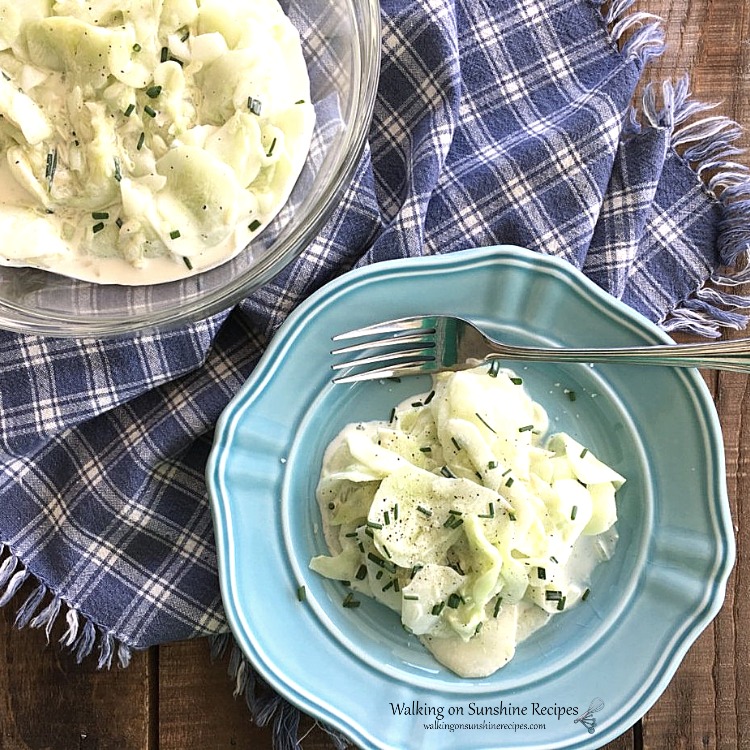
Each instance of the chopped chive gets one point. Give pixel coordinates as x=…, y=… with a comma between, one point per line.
x=387, y=553
x=585, y=595
x=379, y=575
x=553, y=559
x=438, y=608
x=254, y=224
x=509, y=482
x=570, y=394
x=388, y=585
x=498, y=604
x=425, y=449
x=254, y=105
x=300, y=101
x=97, y=227
x=188, y=262
x=137, y=47
x=350, y=602
x=118, y=171
x=478, y=628
x=141, y=141
x=175, y=234
x=429, y=398
x=526, y=428
x=301, y=593
x=506, y=472
x=150, y=111
x=129, y=111
x=446, y=472
x=392, y=415
x=153, y=92
x=331, y=506
x=386, y=517
x=99, y=215
x=541, y=574
x=410, y=598
x=454, y=600
x=517, y=381
x=573, y=512
x=395, y=512
x=491, y=465
x=552, y=596
x=415, y=569
x=119, y=222
x=456, y=444
x=273, y=146
x=185, y=36
x=490, y=513
x=561, y=604
x=370, y=532
x=416, y=404
x=494, y=368
x=584, y=452
x=484, y=422
x=396, y=585
x=423, y=510
x=511, y=516
x=164, y=54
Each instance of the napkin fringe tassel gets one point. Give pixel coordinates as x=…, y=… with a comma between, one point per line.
x=265, y=706
x=708, y=146
x=42, y=609
x=638, y=35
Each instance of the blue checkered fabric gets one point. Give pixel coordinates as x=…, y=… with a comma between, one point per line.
x=496, y=121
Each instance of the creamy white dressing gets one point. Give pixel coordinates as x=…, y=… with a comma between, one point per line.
x=459, y=515
x=146, y=140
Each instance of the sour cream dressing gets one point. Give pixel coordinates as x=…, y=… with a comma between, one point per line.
x=146, y=141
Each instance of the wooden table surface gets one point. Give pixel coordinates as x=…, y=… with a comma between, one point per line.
x=174, y=698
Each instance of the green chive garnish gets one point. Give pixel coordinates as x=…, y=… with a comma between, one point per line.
x=301, y=593
x=517, y=381
x=584, y=452
x=494, y=368
x=570, y=394
x=561, y=604
x=188, y=262
x=585, y=595
x=175, y=234
x=438, y=608
x=454, y=600
x=456, y=444
x=446, y=472
x=273, y=146
x=254, y=105
x=129, y=111
x=153, y=92
x=150, y=111
x=98, y=215
x=541, y=574
x=484, y=422
x=573, y=512
x=254, y=224
x=164, y=54
x=509, y=482
x=137, y=47
x=491, y=465
x=429, y=398
x=118, y=172
x=97, y=227
x=498, y=604
x=526, y=428
x=410, y=598
x=423, y=510
x=350, y=602
x=552, y=596
x=426, y=449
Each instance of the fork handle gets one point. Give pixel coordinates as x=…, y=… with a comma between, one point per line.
x=733, y=355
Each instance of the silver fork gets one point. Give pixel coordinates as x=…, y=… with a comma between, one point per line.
x=424, y=345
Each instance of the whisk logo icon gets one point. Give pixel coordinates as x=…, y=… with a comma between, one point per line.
x=587, y=718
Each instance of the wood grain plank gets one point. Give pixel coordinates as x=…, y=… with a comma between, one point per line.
x=49, y=702
x=197, y=708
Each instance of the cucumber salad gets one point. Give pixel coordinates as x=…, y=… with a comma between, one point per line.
x=146, y=140
x=459, y=514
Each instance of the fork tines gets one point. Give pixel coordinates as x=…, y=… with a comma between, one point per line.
x=397, y=348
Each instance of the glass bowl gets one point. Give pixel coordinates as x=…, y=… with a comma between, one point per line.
x=341, y=43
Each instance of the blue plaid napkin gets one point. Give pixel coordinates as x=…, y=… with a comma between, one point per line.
x=497, y=121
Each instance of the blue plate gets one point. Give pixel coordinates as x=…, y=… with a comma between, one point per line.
x=595, y=670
